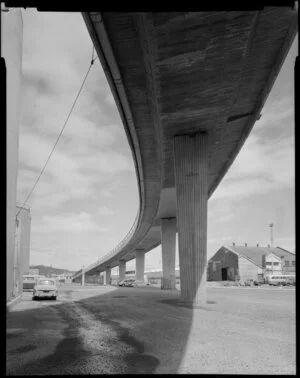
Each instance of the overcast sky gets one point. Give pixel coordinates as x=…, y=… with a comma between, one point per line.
x=87, y=198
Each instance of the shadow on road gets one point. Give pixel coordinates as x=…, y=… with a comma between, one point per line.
x=127, y=331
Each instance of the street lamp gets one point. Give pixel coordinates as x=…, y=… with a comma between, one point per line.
x=271, y=225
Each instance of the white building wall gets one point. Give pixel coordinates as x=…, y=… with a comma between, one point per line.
x=271, y=268
x=11, y=44
x=248, y=270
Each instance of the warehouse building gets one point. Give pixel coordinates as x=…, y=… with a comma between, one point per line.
x=242, y=263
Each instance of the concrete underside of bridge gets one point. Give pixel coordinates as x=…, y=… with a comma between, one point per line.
x=186, y=73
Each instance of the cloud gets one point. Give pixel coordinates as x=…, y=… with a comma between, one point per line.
x=70, y=173
x=109, y=99
x=105, y=211
x=259, y=168
x=287, y=243
x=105, y=193
x=266, y=159
x=70, y=223
x=219, y=240
x=90, y=172
x=219, y=211
x=54, y=64
x=275, y=113
x=62, y=173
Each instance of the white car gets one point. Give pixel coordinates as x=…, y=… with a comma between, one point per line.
x=128, y=282
x=45, y=288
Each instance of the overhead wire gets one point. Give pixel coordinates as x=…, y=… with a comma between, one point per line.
x=60, y=134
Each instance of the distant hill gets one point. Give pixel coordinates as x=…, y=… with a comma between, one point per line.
x=47, y=270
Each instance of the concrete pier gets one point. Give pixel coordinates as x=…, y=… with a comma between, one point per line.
x=107, y=276
x=140, y=265
x=122, y=270
x=168, y=245
x=191, y=167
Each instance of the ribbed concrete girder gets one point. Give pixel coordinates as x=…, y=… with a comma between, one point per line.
x=185, y=72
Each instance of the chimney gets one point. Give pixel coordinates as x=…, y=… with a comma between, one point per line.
x=233, y=243
x=257, y=245
x=245, y=244
x=263, y=261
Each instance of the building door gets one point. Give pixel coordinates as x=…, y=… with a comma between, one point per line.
x=224, y=274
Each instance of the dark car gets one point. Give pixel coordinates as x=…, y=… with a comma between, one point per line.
x=249, y=282
x=259, y=281
x=128, y=282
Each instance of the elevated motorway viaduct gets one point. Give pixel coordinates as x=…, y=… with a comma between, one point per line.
x=189, y=87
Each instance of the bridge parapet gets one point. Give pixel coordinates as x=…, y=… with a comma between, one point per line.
x=115, y=250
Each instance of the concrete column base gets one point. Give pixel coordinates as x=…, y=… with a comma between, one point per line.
x=139, y=265
x=203, y=304
x=122, y=270
x=168, y=244
x=10, y=304
x=168, y=283
x=191, y=179
x=107, y=277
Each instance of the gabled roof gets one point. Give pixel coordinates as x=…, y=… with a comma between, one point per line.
x=255, y=254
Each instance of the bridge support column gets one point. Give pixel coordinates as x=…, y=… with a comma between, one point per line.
x=191, y=167
x=168, y=244
x=122, y=270
x=107, y=276
x=139, y=265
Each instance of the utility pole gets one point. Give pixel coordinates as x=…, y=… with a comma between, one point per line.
x=271, y=225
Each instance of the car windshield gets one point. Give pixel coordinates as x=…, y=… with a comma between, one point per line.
x=29, y=278
x=46, y=282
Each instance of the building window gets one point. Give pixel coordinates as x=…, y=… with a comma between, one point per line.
x=294, y=263
x=287, y=263
x=275, y=263
x=268, y=263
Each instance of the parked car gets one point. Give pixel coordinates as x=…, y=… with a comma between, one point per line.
x=128, y=282
x=281, y=280
x=259, y=281
x=45, y=288
x=291, y=281
x=249, y=282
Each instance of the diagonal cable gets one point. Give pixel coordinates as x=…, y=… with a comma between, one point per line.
x=65, y=124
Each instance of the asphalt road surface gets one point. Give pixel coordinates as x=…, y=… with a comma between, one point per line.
x=108, y=330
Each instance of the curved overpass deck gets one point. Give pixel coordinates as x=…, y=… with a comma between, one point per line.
x=181, y=73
